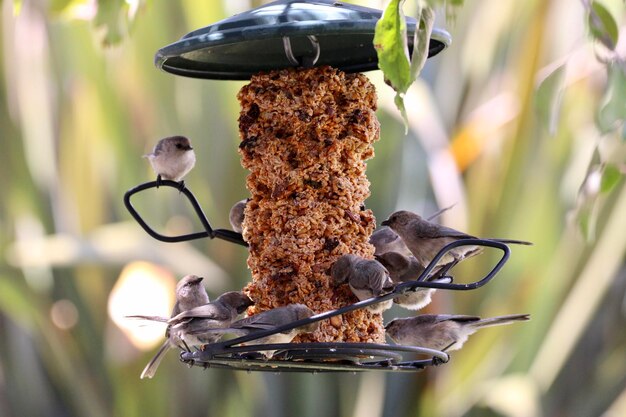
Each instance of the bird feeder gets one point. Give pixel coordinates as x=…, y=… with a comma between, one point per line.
x=307, y=125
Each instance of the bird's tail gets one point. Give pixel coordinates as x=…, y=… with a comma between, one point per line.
x=513, y=242
x=151, y=367
x=151, y=318
x=439, y=212
x=500, y=320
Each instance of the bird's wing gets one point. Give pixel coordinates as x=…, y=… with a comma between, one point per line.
x=456, y=317
x=202, y=326
x=208, y=311
x=250, y=324
x=432, y=231
x=375, y=279
x=264, y=321
x=151, y=318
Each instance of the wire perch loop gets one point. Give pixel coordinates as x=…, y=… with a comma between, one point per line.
x=338, y=356
x=209, y=232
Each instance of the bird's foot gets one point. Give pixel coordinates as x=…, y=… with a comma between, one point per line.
x=439, y=361
x=159, y=181
x=181, y=186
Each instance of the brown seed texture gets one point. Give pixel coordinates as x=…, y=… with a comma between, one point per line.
x=305, y=137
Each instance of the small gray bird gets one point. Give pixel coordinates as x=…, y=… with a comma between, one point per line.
x=172, y=158
x=443, y=332
x=195, y=327
x=272, y=319
x=192, y=327
x=367, y=278
x=237, y=215
x=404, y=269
x=190, y=293
x=425, y=239
x=386, y=240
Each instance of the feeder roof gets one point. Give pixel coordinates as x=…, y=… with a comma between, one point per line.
x=283, y=34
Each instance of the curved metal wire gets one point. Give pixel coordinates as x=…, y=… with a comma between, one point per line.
x=315, y=357
x=209, y=232
x=332, y=357
x=399, y=290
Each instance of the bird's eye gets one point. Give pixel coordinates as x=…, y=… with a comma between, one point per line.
x=179, y=146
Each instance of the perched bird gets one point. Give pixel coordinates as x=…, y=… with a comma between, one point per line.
x=404, y=269
x=190, y=293
x=272, y=319
x=172, y=158
x=195, y=327
x=191, y=327
x=425, y=239
x=443, y=332
x=367, y=278
x=386, y=240
x=236, y=215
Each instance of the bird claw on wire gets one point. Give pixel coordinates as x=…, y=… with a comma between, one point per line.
x=439, y=361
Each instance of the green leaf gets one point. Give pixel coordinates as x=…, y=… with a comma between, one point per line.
x=421, y=41
x=450, y=6
x=390, y=42
x=548, y=99
x=399, y=102
x=610, y=178
x=602, y=25
x=612, y=112
x=392, y=47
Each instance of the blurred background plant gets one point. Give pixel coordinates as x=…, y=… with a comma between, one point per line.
x=520, y=123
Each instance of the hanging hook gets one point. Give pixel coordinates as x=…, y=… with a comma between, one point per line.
x=307, y=61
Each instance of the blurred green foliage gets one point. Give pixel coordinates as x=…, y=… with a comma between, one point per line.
x=80, y=102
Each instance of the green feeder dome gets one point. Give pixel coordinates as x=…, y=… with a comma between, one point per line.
x=281, y=34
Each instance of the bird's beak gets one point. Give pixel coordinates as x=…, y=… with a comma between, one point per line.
x=189, y=148
x=387, y=325
x=385, y=223
x=198, y=280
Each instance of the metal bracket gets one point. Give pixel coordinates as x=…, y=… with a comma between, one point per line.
x=209, y=232
x=306, y=61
